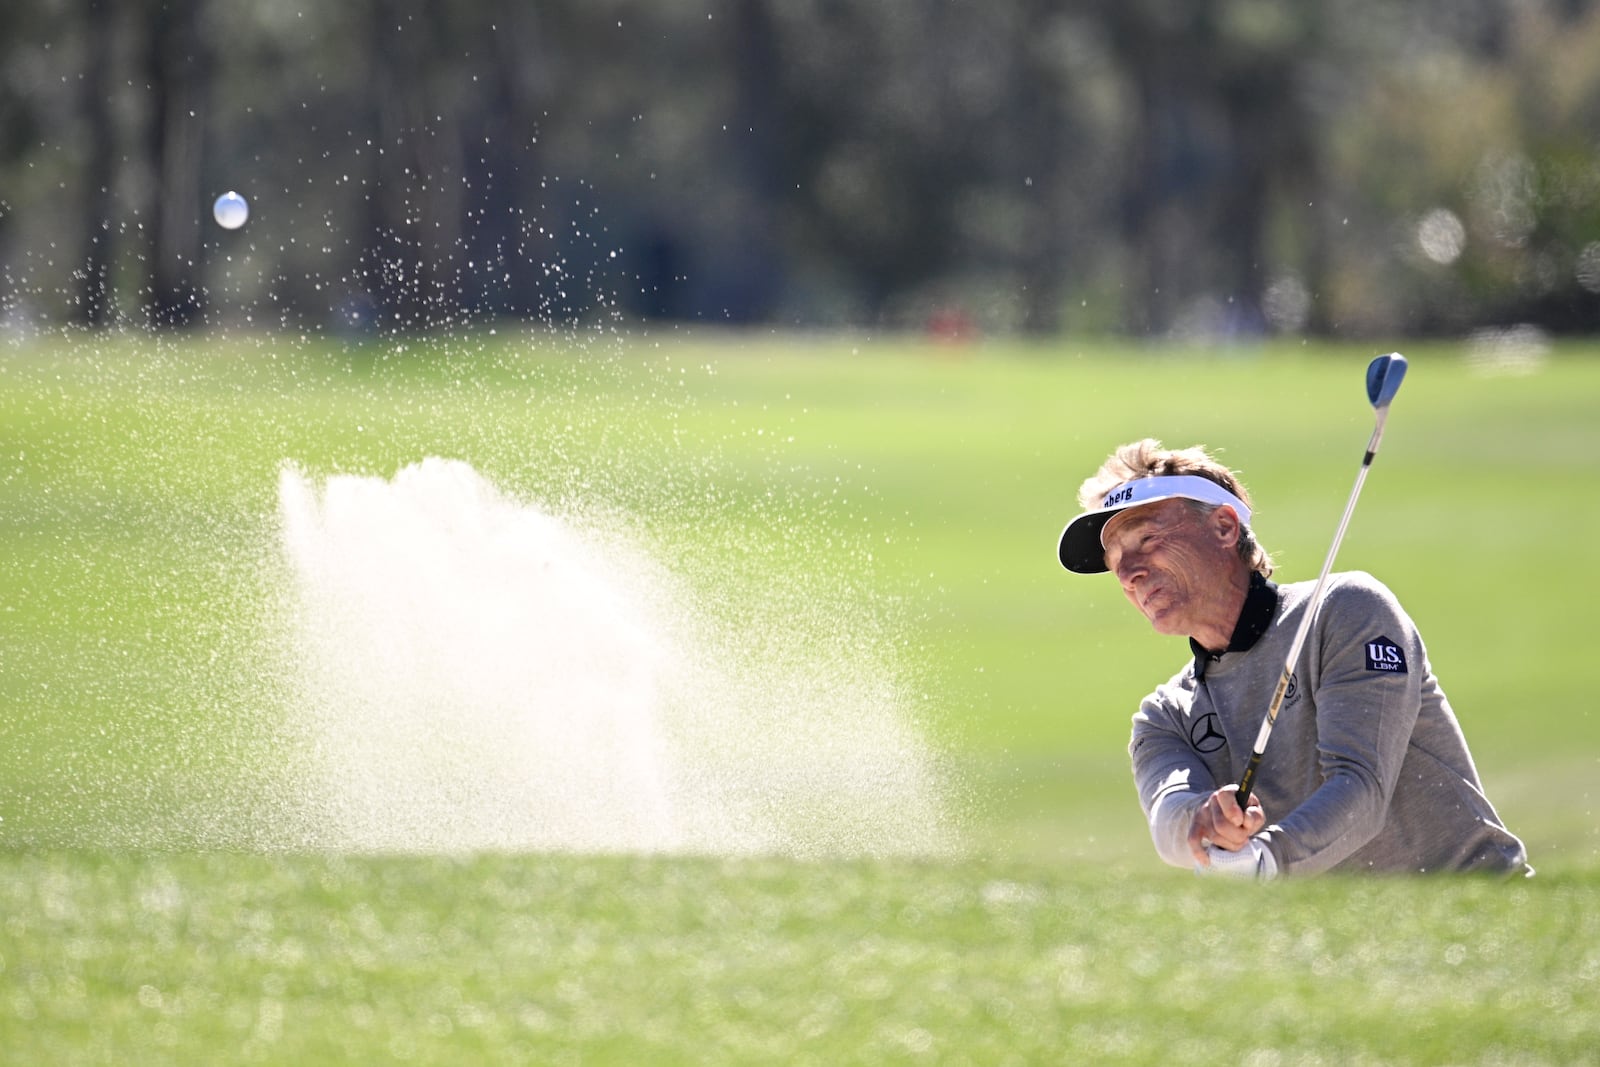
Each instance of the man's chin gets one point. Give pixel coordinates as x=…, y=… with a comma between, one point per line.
x=1165, y=624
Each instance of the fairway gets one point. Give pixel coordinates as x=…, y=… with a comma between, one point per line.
x=869, y=525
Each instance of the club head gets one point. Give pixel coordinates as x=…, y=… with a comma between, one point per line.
x=1384, y=376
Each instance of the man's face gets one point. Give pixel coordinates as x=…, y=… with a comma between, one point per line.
x=1175, y=566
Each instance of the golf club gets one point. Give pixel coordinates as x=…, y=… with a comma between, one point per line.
x=1384, y=375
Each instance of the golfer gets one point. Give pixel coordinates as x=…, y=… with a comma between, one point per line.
x=1367, y=769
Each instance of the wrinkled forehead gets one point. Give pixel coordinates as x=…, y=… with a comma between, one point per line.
x=1157, y=513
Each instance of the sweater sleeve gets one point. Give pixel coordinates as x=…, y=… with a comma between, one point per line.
x=1366, y=663
x=1170, y=776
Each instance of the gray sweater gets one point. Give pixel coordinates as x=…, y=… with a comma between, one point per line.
x=1367, y=768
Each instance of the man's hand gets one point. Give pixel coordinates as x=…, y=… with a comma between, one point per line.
x=1221, y=823
x=1254, y=862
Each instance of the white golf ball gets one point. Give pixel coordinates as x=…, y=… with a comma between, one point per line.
x=230, y=210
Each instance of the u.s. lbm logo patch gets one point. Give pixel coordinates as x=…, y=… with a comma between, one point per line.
x=1384, y=655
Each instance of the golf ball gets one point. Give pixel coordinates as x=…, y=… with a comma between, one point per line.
x=230, y=210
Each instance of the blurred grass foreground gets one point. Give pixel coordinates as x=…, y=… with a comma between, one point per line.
x=881, y=735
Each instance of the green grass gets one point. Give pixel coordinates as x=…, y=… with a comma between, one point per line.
x=187, y=959
x=137, y=486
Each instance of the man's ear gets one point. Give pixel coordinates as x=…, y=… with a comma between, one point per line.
x=1226, y=523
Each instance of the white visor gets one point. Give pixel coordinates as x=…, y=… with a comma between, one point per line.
x=1080, y=549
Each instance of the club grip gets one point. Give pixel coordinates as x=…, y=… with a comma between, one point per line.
x=1248, y=781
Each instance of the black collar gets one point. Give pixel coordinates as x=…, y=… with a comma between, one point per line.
x=1260, y=605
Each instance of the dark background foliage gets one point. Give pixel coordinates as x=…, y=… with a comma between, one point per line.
x=1215, y=168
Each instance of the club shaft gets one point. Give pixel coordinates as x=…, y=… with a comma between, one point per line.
x=1248, y=780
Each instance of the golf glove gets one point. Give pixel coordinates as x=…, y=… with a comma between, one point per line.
x=1254, y=861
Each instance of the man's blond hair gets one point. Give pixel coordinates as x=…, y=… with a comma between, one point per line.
x=1142, y=459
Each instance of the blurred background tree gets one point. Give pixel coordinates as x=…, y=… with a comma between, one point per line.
x=1214, y=169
